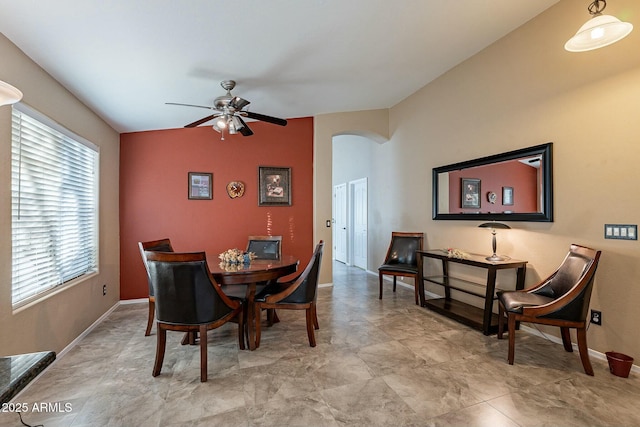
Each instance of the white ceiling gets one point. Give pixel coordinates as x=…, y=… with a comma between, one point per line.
x=291, y=58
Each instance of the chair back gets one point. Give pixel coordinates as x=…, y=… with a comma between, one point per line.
x=574, y=278
x=184, y=289
x=265, y=247
x=403, y=247
x=306, y=285
x=162, y=245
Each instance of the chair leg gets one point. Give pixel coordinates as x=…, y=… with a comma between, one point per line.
x=272, y=317
x=415, y=289
x=203, y=354
x=566, y=339
x=500, y=321
x=152, y=310
x=380, y=279
x=161, y=344
x=241, y=329
x=394, y=283
x=257, y=311
x=584, y=351
x=310, y=333
x=315, y=316
x=512, y=337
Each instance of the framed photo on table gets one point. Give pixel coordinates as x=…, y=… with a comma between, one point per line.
x=200, y=186
x=470, y=193
x=274, y=185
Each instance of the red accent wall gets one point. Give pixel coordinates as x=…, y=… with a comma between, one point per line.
x=154, y=166
x=513, y=173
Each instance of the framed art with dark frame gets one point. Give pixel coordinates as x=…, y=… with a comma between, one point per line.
x=200, y=186
x=274, y=185
x=470, y=193
x=507, y=196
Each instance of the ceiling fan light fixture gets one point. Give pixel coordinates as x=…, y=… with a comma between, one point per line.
x=235, y=124
x=600, y=31
x=220, y=123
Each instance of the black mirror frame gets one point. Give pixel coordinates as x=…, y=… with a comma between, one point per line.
x=547, y=169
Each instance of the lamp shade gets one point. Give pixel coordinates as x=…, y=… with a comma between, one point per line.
x=599, y=31
x=494, y=225
x=9, y=94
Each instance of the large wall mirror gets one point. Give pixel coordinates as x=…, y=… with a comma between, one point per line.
x=512, y=186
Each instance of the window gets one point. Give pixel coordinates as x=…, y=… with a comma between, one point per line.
x=54, y=200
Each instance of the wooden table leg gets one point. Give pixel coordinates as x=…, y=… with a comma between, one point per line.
x=251, y=316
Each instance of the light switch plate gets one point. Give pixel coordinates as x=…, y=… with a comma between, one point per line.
x=621, y=231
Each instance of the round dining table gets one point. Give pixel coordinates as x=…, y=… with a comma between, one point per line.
x=257, y=271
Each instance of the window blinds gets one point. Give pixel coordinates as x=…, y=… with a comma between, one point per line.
x=54, y=198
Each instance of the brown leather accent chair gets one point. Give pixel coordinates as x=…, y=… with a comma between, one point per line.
x=561, y=300
x=299, y=294
x=162, y=245
x=265, y=247
x=401, y=259
x=188, y=299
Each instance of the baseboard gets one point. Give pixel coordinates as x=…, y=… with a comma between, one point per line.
x=133, y=301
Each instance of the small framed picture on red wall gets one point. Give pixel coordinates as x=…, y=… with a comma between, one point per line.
x=200, y=186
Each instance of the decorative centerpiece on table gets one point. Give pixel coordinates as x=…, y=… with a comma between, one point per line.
x=457, y=253
x=235, y=259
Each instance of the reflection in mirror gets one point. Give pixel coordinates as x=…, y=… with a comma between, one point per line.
x=515, y=186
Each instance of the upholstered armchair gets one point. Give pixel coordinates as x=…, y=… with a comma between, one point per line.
x=560, y=300
x=188, y=299
x=299, y=294
x=401, y=259
x=265, y=247
x=162, y=245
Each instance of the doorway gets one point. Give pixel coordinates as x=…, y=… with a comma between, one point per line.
x=358, y=192
x=340, y=223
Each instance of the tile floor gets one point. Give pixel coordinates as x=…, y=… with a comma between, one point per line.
x=377, y=363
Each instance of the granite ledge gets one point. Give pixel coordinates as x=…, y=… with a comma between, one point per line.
x=18, y=370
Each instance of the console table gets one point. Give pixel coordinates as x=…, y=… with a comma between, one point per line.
x=479, y=318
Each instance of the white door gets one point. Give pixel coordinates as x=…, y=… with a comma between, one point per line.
x=340, y=223
x=359, y=218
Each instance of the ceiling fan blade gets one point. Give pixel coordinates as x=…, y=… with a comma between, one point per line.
x=189, y=105
x=268, y=119
x=201, y=121
x=244, y=130
x=238, y=103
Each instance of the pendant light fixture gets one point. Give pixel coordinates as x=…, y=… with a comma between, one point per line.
x=600, y=31
x=9, y=94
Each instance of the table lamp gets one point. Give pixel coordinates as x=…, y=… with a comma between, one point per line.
x=493, y=225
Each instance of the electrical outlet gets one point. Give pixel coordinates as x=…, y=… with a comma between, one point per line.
x=596, y=317
x=104, y=290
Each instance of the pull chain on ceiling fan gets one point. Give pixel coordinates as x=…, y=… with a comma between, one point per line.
x=229, y=113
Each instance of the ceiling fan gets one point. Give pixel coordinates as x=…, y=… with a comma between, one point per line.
x=229, y=113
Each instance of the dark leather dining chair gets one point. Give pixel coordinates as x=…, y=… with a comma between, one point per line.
x=401, y=259
x=188, y=299
x=299, y=294
x=162, y=245
x=562, y=299
x=265, y=247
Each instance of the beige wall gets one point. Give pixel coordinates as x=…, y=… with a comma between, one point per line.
x=53, y=323
x=525, y=90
